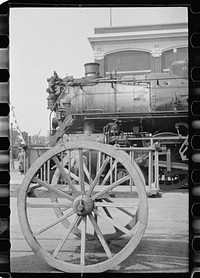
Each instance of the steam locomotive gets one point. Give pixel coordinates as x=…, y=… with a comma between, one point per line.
x=126, y=111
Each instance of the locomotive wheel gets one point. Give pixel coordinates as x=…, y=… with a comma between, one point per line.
x=89, y=208
x=176, y=178
x=173, y=180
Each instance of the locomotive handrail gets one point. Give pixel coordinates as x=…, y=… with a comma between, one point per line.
x=178, y=137
x=140, y=148
x=143, y=80
x=134, y=82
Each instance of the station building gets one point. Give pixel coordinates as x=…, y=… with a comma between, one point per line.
x=132, y=50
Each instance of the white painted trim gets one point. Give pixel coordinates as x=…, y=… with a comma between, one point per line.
x=126, y=49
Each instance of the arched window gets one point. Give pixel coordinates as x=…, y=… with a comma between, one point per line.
x=127, y=62
x=175, y=54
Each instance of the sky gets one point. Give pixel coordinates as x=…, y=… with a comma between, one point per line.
x=46, y=39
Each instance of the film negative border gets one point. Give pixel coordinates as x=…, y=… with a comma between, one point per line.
x=4, y=142
x=194, y=131
x=194, y=139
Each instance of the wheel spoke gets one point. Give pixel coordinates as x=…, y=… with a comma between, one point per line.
x=34, y=187
x=109, y=173
x=107, y=212
x=55, y=190
x=114, y=205
x=64, y=209
x=100, y=236
x=88, y=175
x=98, y=175
x=90, y=167
x=75, y=177
x=53, y=223
x=81, y=172
x=109, y=215
x=51, y=205
x=112, y=222
x=83, y=241
x=65, y=175
x=97, y=195
x=66, y=235
x=122, y=209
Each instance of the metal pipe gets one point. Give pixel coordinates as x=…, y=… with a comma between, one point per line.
x=159, y=138
x=136, y=148
x=168, y=155
x=135, y=81
x=156, y=171
x=150, y=170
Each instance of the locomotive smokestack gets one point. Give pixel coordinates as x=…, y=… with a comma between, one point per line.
x=92, y=70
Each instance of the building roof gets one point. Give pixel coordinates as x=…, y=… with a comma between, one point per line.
x=138, y=32
x=135, y=28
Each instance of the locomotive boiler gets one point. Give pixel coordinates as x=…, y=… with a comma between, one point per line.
x=126, y=112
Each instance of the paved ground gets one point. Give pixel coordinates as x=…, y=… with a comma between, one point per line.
x=163, y=248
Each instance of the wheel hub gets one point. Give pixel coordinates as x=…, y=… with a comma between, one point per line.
x=83, y=205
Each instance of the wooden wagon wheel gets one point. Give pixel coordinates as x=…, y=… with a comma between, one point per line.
x=88, y=206
x=60, y=213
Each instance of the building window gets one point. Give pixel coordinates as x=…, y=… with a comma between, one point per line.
x=175, y=54
x=127, y=62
